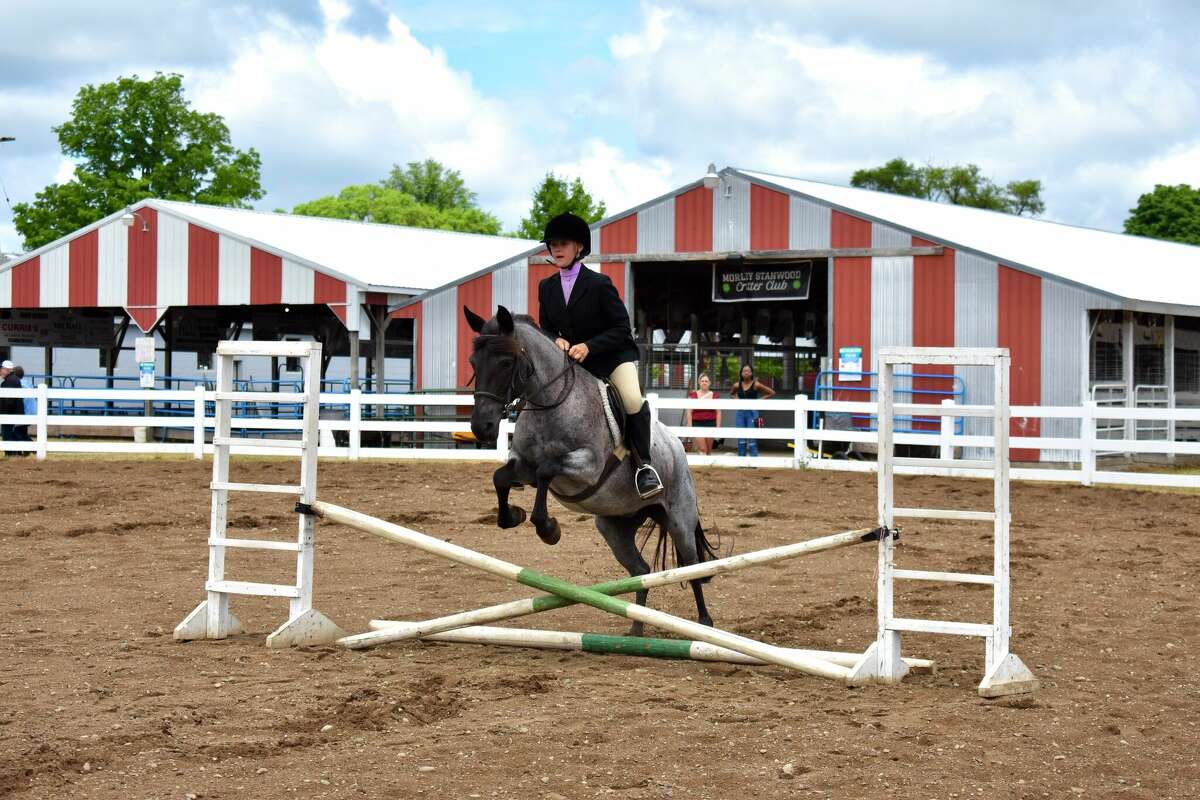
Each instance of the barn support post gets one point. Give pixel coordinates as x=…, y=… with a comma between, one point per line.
x=1169, y=374
x=353, y=359
x=379, y=324
x=48, y=361
x=1127, y=355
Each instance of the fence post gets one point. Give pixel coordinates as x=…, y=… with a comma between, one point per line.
x=800, y=438
x=43, y=413
x=1087, y=442
x=946, y=437
x=354, y=434
x=198, y=422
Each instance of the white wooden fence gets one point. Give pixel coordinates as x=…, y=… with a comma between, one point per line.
x=345, y=412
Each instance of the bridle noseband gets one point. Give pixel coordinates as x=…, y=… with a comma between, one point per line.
x=518, y=397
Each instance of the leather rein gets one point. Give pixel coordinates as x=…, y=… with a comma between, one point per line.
x=519, y=398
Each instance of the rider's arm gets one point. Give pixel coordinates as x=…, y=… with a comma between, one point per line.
x=544, y=322
x=617, y=317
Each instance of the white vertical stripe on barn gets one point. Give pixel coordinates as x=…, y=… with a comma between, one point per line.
x=892, y=313
x=6, y=289
x=596, y=240
x=808, y=224
x=439, y=340
x=510, y=287
x=54, y=290
x=886, y=236
x=172, y=260
x=976, y=307
x=656, y=228
x=112, y=267
x=296, y=283
x=233, y=271
x=731, y=214
x=1064, y=359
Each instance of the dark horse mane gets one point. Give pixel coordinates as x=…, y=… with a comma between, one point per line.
x=492, y=342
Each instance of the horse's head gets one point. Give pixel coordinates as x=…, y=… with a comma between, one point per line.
x=501, y=370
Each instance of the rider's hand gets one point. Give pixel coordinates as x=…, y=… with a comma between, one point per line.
x=563, y=344
x=579, y=352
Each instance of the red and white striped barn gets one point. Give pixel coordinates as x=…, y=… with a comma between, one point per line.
x=1075, y=306
x=161, y=256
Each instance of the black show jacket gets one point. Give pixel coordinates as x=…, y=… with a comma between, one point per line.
x=595, y=316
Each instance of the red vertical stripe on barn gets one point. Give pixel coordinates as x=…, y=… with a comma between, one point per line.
x=536, y=273
x=203, y=266
x=142, y=292
x=27, y=284
x=619, y=236
x=266, y=278
x=851, y=296
x=414, y=312
x=615, y=270
x=475, y=294
x=331, y=291
x=933, y=322
x=694, y=221
x=1020, y=312
x=768, y=219
x=84, y=270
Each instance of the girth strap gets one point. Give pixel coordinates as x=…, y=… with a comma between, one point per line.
x=610, y=467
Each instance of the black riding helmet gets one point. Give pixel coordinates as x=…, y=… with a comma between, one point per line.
x=571, y=228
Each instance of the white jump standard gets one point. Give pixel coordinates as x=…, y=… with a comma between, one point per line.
x=1004, y=673
x=212, y=618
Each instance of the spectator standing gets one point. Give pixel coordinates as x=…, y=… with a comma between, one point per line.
x=9, y=405
x=749, y=388
x=29, y=404
x=703, y=417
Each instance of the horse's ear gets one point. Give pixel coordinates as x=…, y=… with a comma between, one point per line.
x=474, y=320
x=505, y=319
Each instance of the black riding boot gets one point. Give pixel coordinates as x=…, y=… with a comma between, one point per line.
x=646, y=479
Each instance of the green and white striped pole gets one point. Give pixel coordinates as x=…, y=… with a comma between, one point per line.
x=557, y=586
x=388, y=631
x=630, y=645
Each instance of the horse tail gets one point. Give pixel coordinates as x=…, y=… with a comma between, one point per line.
x=705, y=550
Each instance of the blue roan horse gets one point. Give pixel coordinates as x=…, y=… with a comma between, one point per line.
x=562, y=444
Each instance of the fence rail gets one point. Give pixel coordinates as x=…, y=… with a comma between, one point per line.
x=432, y=437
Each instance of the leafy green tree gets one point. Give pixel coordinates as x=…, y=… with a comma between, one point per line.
x=431, y=183
x=555, y=196
x=371, y=202
x=958, y=184
x=134, y=139
x=1168, y=212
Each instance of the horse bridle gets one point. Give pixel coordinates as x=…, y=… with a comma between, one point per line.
x=518, y=398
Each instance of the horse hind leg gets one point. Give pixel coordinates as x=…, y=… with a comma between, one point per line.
x=621, y=535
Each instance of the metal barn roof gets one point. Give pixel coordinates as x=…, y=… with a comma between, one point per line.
x=379, y=257
x=1129, y=267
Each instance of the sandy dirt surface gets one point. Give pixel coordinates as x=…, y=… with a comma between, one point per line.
x=99, y=559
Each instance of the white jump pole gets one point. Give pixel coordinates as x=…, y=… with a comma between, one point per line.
x=623, y=608
x=385, y=631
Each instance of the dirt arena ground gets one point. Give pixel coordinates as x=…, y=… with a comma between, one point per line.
x=99, y=559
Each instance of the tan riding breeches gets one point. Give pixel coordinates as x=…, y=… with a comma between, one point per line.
x=625, y=379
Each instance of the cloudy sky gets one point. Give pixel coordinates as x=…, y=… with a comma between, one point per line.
x=1098, y=100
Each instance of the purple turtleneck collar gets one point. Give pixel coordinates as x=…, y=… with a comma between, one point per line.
x=568, y=277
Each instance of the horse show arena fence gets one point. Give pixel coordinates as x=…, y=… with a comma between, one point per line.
x=186, y=418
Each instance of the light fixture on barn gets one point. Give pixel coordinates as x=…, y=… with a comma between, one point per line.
x=711, y=179
x=128, y=217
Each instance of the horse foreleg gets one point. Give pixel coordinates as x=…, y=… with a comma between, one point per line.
x=504, y=479
x=545, y=525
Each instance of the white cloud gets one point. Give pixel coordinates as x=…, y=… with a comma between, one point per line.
x=760, y=89
x=620, y=181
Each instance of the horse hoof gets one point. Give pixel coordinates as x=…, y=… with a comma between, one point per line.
x=516, y=515
x=637, y=629
x=550, y=533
